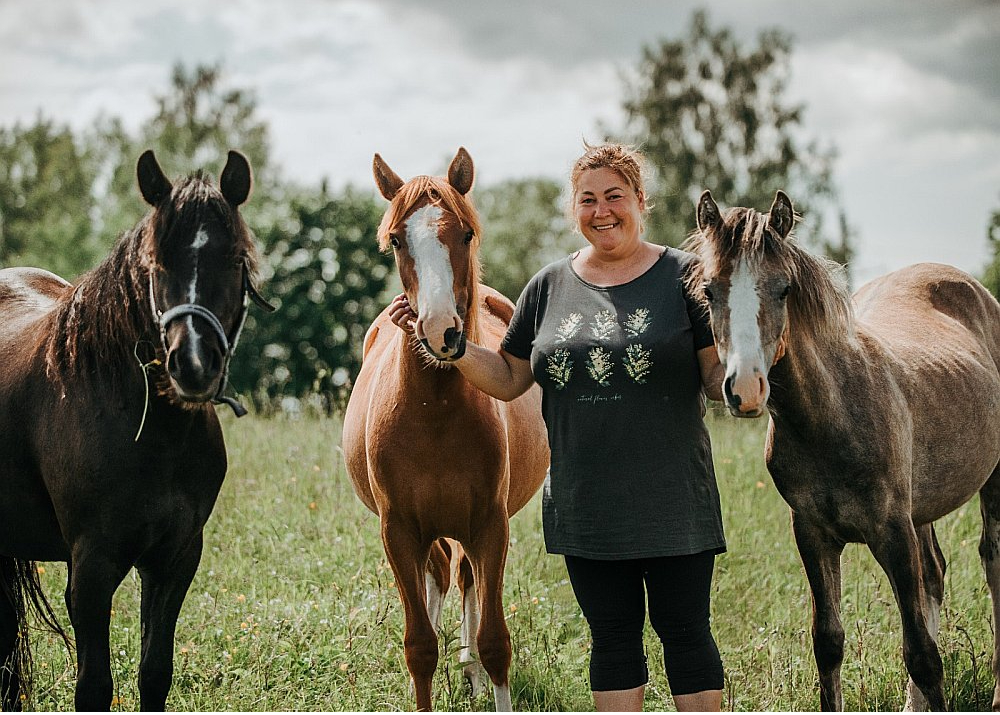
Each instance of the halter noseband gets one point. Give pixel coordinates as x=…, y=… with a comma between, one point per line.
x=227, y=342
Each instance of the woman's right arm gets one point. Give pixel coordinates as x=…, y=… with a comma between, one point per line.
x=497, y=373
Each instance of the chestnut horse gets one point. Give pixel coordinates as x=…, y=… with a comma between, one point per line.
x=428, y=452
x=111, y=455
x=883, y=416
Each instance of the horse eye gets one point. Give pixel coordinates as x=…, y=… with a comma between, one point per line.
x=469, y=236
x=394, y=240
x=708, y=292
x=784, y=292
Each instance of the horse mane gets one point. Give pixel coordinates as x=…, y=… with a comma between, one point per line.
x=818, y=302
x=437, y=191
x=105, y=324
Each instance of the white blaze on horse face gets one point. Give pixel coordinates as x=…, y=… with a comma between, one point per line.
x=432, y=264
x=745, y=364
x=200, y=240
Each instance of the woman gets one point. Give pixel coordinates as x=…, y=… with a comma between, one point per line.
x=622, y=355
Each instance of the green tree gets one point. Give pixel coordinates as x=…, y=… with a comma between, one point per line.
x=991, y=274
x=524, y=228
x=324, y=272
x=710, y=114
x=45, y=199
x=197, y=122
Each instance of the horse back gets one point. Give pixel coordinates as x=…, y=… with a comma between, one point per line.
x=915, y=307
x=938, y=332
x=26, y=293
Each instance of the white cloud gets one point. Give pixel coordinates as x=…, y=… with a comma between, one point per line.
x=913, y=114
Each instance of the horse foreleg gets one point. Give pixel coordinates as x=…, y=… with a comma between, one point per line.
x=408, y=559
x=488, y=554
x=165, y=582
x=933, y=566
x=92, y=585
x=989, y=552
x=820, y=556
x=469, y=654
x=898, y=552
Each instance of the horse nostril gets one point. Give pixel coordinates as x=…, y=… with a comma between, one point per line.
x=173, y=364
x=731, y=399
x=215, y=363
x=451, y=338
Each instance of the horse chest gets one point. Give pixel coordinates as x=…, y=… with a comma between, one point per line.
x=835, y=492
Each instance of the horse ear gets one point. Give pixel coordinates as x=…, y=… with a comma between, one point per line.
x=461, y=173
x=153, y=184
x=236, y=180
x=781, y=217
x=386, y=179
x=708, y=211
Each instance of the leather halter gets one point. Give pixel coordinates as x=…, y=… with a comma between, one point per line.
x=226, y=342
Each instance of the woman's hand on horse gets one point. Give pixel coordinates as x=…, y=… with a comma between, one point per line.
x=401, y=314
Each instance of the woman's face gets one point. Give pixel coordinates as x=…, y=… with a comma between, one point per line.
x=608, y=212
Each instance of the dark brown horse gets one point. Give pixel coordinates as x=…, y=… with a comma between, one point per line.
x=883, y=416
x=111, y=455
x=428, y=452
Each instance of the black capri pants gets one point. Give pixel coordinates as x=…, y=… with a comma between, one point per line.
x=612, y=595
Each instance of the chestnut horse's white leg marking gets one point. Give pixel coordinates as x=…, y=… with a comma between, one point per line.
x=501, y=695
x=470, y=650
x=434, y=600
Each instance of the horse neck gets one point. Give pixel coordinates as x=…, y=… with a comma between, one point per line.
x=419, y=378
x=99, y=326
x=809, y=384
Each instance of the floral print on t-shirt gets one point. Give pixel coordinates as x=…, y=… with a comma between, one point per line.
x=601, y=361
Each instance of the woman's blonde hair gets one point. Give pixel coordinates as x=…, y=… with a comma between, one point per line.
x=624, y=159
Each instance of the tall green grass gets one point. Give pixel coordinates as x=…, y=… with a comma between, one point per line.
x=294, y=606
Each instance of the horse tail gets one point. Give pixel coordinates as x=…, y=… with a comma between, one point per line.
x=20, y=593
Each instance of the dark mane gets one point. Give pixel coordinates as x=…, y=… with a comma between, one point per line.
x=437, y=191
x=818, y=301
x=106, y=320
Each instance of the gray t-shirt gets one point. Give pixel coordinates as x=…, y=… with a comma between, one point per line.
x=631, y=473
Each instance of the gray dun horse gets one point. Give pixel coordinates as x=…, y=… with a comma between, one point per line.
x=428, y=452
x=883, y=416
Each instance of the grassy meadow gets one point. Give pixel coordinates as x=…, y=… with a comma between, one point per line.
x=294, y=606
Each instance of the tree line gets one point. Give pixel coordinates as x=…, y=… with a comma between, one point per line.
x=706, y=110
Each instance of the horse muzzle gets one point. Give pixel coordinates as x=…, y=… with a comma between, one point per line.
x=746, y=398
x=453, y=348
x=194, y=366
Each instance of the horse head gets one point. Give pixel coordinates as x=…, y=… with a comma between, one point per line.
x=745, y=282
x=200, y=261
x=433, y=230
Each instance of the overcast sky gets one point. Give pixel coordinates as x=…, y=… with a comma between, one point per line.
x=908, y=91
